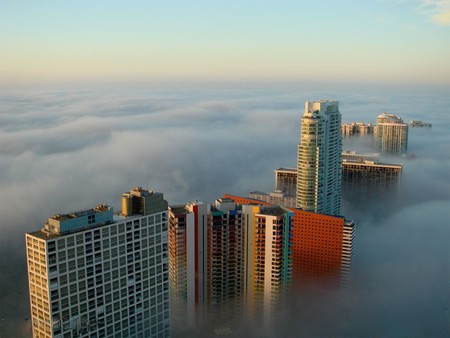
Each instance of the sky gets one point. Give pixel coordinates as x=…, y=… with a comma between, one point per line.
x=179, y=41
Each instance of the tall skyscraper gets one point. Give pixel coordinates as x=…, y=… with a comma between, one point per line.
x=268, y=260
x=391, y=135
x=93, y=273
x=181, y=267
x=226, y=269
x=206, y=263
x=319, y=158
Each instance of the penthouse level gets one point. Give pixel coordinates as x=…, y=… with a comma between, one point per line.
x=61, y=224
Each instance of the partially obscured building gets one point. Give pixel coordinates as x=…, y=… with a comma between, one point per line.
x=322, y=245
x=226, y=270
x=322, y=248
x=419, y=124
x=391, y=135
x=286, y=181
x=206, y=263
x=319, y=158
x=355, y=156
x=226, y=259
x=93, y=273
x=276, y=197
x=365, y=180
x=356, y=129
x=268, y=260
x=285, y=189
x=181, y=267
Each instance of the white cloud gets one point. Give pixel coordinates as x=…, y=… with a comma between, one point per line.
x=65, y=151
x=437, y=10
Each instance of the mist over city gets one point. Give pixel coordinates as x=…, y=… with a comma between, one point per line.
x=67, y=150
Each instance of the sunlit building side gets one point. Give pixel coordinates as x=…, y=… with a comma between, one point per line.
x=319, y=158
x=96, y=273
x=188, y=226
x=322, y=248
x=182, y=293
x=322, y=245
x=226, y=270
x=269, y=260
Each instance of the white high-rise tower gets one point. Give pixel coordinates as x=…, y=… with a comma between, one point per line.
x=319, y=158
x=96, y=273
x=391, y=134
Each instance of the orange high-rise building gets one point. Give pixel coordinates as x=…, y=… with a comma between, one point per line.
x=321, y=245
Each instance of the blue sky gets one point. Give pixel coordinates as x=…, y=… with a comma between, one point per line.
x=87, y=41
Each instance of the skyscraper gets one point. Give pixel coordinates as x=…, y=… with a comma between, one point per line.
x=181, y=267
x=206, y=263
x=96, y=273
x=268, y=260
x=391, y=135
x=319, y=158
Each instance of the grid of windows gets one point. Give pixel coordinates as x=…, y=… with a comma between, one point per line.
x=363, y=181
x=38, y=275
x=102, y=282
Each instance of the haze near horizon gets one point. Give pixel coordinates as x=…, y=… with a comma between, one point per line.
x=383, y=41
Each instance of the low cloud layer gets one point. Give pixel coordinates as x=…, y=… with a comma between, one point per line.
x=63, y=151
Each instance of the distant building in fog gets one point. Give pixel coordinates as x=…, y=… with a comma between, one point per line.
x=355, y=156
x=319, y=158
x=286, y=181
x=95, y=273
x=285, y=189
x=419, y=124
x=356, y=128
x=276, y=197
x=365, y=180
x=391, y=134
